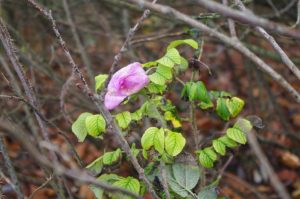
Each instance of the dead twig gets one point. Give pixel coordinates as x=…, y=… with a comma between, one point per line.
x=76, y=174
x=230, y=41
x=248, y=18
x=285, y=59
x=275, y=182
x=78, y=43
x=40, y=187
x=125, y=45
x=156, y=37
x=97, y=101
x=298, y=16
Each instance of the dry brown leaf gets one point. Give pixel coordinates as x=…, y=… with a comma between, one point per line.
x=289, y=159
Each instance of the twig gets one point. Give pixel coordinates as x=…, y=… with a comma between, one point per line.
x=298, y=15
x=11, y=170
x=79, y=45
x=250, y=19
x=276, y=11
x=232, y=42
x=231, y=24
x=156, y=37
x=163, y=171
x=125, y=45
x=106, y=114
x=60, y=131
x=11, y=52
x=285, y=59
x=277, y=185
x=76, y=174
x=222, y=170
x=62, y=96
x=40, y=187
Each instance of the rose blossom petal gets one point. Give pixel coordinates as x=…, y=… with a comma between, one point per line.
x=132, y=78
x=119, y=76
x=124, y=82
x=135, y=82
x=112, y=100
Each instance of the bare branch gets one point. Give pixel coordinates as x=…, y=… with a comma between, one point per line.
x=79, y=45
x=98, y=102
x=230, y=41
x=125, y=45
x=11, y=52
x=285, y=59
x=250, y=19
x=231, y=24
x=277, y=185
x=298, y=15
x=76, y=174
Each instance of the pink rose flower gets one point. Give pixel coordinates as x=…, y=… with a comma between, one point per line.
x=126, y=81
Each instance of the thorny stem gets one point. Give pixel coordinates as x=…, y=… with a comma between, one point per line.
x=193, y=119
x=162, y=164
x=98, y=101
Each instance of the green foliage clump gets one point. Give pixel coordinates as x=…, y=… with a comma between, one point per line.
x=163, y=142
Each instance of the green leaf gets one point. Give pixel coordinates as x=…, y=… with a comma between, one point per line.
x=222, y=109
x=78, y=127
x=186, y=175
x=227, y=141
x=202, y=93
x=98, y=192
x=208, y=193
x=150, y=109
x=96, y=166
x=99, y=81
x=185, y=91
x=95, y=125
x=171, y=58
x=212, y=155
x=164, y=71
x=108, y=178
x=174, y=185
x=192, y=91
x=204, y=105
x=149, y=64
x=145, y=154
x=161, y=75
x=184, y=64
x=153, y=137
x=110, y=158
x=236, y=135
x=243, y=125
x=130, y=184
x=219, y=147
x=156, y=88
x=189, y=42
x=217, y=94
x=235, y=105
x=174, y=143
x=159, y=141
x=137, y=115
x=207, y=157
x=123, y=119
x=147, y=138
